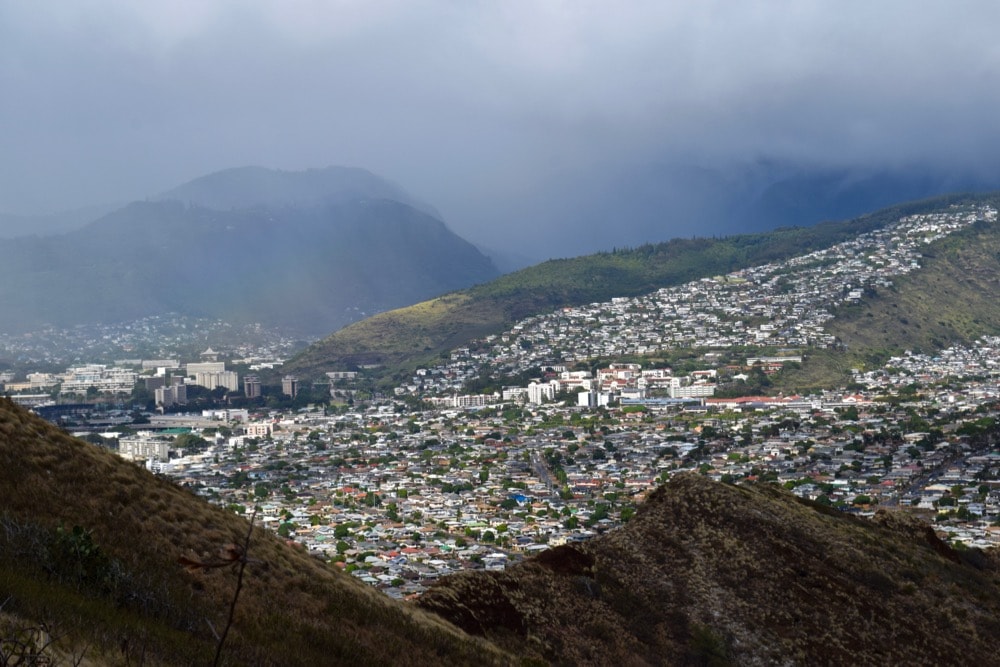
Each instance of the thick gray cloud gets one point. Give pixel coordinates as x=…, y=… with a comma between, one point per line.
x=468, y=102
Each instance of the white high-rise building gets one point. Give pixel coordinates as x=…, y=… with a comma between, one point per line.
x=142, y=446
x=212, y=379
x=539, y=392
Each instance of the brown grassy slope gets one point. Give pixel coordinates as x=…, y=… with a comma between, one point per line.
x=417, y=332
x=137, y=604
x=708, y=573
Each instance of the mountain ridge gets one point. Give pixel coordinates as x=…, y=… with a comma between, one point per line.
x=304, y=268
x=252, y=187
x=709, y=573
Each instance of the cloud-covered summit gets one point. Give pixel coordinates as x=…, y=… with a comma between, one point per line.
x=110, y=100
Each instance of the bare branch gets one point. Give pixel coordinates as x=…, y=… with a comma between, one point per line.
x=242, y=555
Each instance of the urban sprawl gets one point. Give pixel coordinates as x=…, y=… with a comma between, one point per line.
x=431, y=478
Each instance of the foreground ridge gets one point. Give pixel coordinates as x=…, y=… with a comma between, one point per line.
x=709, y=573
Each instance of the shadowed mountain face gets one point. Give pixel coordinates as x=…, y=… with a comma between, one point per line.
x=708, y=573
x=47, y=224
x=307, y=253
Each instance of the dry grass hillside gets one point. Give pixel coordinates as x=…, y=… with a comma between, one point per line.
x=712, y=574
x=89, y=549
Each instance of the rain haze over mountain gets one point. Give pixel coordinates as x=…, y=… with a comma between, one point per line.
x=539, y=129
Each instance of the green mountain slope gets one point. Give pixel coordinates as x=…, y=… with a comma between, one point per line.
x=711, y=574
x=89, y=549
x=404, y=338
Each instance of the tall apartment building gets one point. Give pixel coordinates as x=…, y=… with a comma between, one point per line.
x=212, y=379
x=205, y=367
x=143, y=446
x=290, y=386
x=538, y=393
x=175, y=394
x=153, y=364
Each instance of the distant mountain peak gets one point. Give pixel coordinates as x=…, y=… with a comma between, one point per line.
x=322, y=246
x=252, y=186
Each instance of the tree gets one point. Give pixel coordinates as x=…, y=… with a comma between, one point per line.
x=600, y=513
x=190, y=442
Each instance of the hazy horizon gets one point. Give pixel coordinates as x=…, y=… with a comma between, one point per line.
x=485, y=109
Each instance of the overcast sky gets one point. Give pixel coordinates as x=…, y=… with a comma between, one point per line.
x=112, y=100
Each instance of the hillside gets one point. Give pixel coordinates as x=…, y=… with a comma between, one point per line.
x=711, y=574
x=89, y=549
x=12, y=226
x=404, y=338
x=291, y=257
x=952, y=299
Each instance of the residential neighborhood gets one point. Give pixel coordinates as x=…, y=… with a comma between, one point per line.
x=438, y=476
x=782, y=305
x=400, y=497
